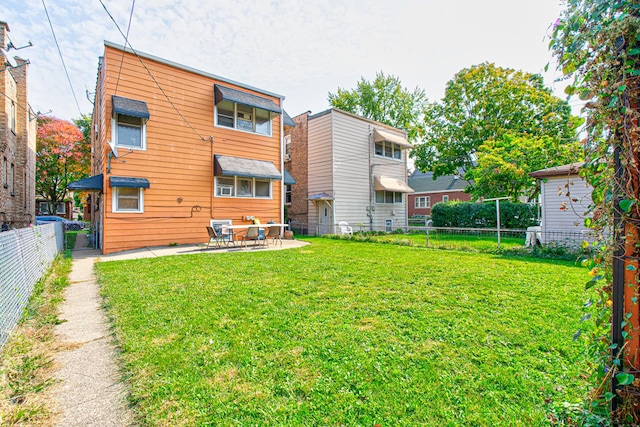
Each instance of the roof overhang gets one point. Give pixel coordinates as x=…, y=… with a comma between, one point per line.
x=92, y=183
x=127, y=182
x=234, y=95
x=249, y=168
x=386, y=183
x=383, y=135
x=288, y=121
x=564, y=170
x=321, y=196
x=129, y=107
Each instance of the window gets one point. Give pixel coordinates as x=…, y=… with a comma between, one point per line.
x=12, y=177
x=130, y=132
x=243, y=187
x=243, y=117
x=287, y=147
x=61, y=209
x=388, y=197
x=287, y=194
x=388, y=149
x=43, y=207
x=422, y=202
x=5, y=172
x=12, y=117
x=128, y=199
x=445, y=198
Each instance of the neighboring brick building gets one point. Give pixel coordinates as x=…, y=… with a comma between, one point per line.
x=296, y=148
x=17, y=143
x=429, y=191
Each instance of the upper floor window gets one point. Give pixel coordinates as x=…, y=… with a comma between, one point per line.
x=388, y=197
x=129, y=124
x=389, y=144
x=388, y=149
x=12, y=117
x=243, y=117
x=244, y=111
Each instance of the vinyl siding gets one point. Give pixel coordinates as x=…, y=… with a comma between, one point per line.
x=177, y=162
x=320, y=164
x=562, y=212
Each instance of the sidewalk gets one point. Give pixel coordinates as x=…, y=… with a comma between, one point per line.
x=90, y=391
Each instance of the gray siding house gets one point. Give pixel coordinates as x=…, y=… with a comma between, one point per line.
x=348, y=168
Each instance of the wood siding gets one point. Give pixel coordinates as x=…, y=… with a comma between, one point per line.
x=177, y=161
x=562, y=212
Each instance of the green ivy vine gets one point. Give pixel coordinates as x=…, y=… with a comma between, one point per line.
x=597, y=45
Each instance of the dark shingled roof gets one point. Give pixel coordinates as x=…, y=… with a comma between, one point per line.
x=249, y=168
x=233, y=95
x=423, y=182
x=127, y=182
x=129, y=107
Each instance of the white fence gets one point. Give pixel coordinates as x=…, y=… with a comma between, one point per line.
x=25, y=255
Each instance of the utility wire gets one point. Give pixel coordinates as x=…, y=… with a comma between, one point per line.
x=123, y=52
x=61, y=58
x=149, y=72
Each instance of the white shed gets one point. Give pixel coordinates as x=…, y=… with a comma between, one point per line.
x=565, y=197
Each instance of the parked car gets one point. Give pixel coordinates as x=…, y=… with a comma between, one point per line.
x=68, y=224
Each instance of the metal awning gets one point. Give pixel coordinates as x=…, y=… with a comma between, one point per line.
x=288, y=179
x=249, y=168
x=386, y=183
x=288, y=121
x=127, y=182
x=321, y=196
x=129, y=107
x=233, y=95
x=92, y=183
x=383, y=135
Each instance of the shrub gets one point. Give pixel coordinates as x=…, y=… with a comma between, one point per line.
x=483, y=215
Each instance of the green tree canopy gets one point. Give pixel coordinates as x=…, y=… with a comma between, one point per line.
x=484, y=103
x=386, y=101
x=504, y=164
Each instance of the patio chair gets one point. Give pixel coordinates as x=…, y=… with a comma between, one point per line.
x=253, y=233
x=345, y=228
x=274, y=233
x=214, y=237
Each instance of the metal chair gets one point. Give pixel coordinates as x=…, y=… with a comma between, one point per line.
x=253, y=233
x=274, y=233
x=214, y=237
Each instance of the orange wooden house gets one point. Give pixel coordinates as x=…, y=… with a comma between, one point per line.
x=174, y=148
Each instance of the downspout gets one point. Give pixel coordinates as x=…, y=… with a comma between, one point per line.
x=213, y=187
x=282, y=186
x=370, y=210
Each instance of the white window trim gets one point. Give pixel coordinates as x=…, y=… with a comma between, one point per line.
x=114, y=202
x=143, y=136
x=235, y=120
x=385, y=197
x=445, y=198
x=234, y=190
x=394, y=147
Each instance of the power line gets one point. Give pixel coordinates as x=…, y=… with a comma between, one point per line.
x=123, y=52
x=126, y=40
x=55, y=39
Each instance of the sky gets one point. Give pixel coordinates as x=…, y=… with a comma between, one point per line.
x=300, y=49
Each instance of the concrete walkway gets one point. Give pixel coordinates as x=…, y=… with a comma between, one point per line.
x=89, y=390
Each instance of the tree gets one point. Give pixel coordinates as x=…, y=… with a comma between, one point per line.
x=484, y=103
x=597, y=44
x=504, y=164
x=59, y=159
x=386, y=101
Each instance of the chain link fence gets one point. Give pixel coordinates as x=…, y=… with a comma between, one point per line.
x=25, y=255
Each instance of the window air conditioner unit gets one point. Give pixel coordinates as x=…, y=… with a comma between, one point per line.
x=287, y=157
x=244, y=116
x=226, y=191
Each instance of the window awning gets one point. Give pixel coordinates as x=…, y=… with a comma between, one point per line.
x=126, y=182
x=383, y=135
x=386, y=183
x=129, y=107
x=288, y=121
x=233, y=95
x=249, y=168
x=288, y=179
x=92, y=183
x=321, y=196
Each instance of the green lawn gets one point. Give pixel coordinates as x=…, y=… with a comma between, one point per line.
x=346, y=333
x=473, y=241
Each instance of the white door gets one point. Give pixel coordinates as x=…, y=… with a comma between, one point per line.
x=325, y=218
